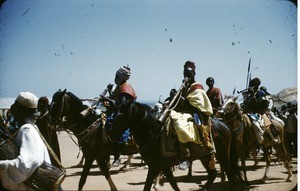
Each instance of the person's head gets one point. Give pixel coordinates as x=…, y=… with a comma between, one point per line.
x=24, y=107
x=189, y=70
x=255, y=82
x=43, y=104
x=172, y=92
x=157, y=108
x=264, y=89
x=122, y=75
x=283, y=108
x=210, y=81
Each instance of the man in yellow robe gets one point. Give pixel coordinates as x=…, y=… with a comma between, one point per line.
x=191, y=117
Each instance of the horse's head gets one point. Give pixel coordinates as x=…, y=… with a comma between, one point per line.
x=229, y=108
x=64, y=105
x=57, y=107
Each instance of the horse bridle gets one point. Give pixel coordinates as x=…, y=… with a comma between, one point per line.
x=60, y=118
x=225, y=112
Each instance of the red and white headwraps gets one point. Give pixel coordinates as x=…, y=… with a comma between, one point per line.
x=124, y=73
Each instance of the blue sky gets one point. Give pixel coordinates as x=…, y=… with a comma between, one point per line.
x=79, y=44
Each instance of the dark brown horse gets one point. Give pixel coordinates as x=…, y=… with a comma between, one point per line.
x=245, y=139
x=147, y=133
x=65, y=111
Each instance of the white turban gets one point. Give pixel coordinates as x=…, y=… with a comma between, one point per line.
x=27, y=99
x=124, y=73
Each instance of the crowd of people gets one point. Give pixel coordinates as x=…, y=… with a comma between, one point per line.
x=29, y=115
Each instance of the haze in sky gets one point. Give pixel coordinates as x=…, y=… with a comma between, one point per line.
x=80, y=44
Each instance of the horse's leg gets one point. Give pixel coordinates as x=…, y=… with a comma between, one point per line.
x=268, y=162
x=283, y=154
x=127, y=162
x=189, y=175
x=152, y=173
x=156, y=180
x=243, y=161
x=103, y=165
x=254, y=153
x=168, y=173
x=223, y=177
x=86, y=169
x=212, y=173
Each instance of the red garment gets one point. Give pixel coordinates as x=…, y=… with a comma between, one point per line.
x=213, y=95
x=194, y=87
x=125, y=88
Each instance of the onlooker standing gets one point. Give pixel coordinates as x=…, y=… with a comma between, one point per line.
x=214, y=94
x=33, y=151
x=291, y=131
x=43, y=124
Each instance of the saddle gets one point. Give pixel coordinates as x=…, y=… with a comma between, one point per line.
x=270, y=133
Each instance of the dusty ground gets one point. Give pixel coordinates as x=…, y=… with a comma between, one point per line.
x=134, y=177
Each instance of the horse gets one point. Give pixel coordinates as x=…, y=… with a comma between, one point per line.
x=147, y=132
x=65, y=111
x=245, y=139
x=226, y=154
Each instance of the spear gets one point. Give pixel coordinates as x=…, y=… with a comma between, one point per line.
x=248, y=73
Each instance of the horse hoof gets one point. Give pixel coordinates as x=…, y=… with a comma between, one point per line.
x=123, y=169
x=264, y=179
x=161, y=182
x=289, y=177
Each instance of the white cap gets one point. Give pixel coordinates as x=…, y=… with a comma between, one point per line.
x=27, y=99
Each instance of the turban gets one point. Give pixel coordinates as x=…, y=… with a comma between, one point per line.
x=254, y=82
x=43, y=100
x=190, y=64
x=27, y=99
x=124, y=73
x=189, y=68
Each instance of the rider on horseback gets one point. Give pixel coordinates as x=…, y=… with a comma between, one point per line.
x=122, y=97
x=256, y=104
x=214, y=94
x=194, y=107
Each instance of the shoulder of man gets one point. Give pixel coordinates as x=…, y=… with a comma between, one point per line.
x=194, y=87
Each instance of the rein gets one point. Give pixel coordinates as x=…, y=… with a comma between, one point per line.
x=81, y=135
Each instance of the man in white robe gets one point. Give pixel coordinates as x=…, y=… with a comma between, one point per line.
x=33, y=151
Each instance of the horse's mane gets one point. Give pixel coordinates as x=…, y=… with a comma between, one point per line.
x=75, y=100
x=147, y=108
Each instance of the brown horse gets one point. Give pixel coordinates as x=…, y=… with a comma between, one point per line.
x=245, y=139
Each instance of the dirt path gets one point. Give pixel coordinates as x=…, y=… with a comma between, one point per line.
x=134, y=177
